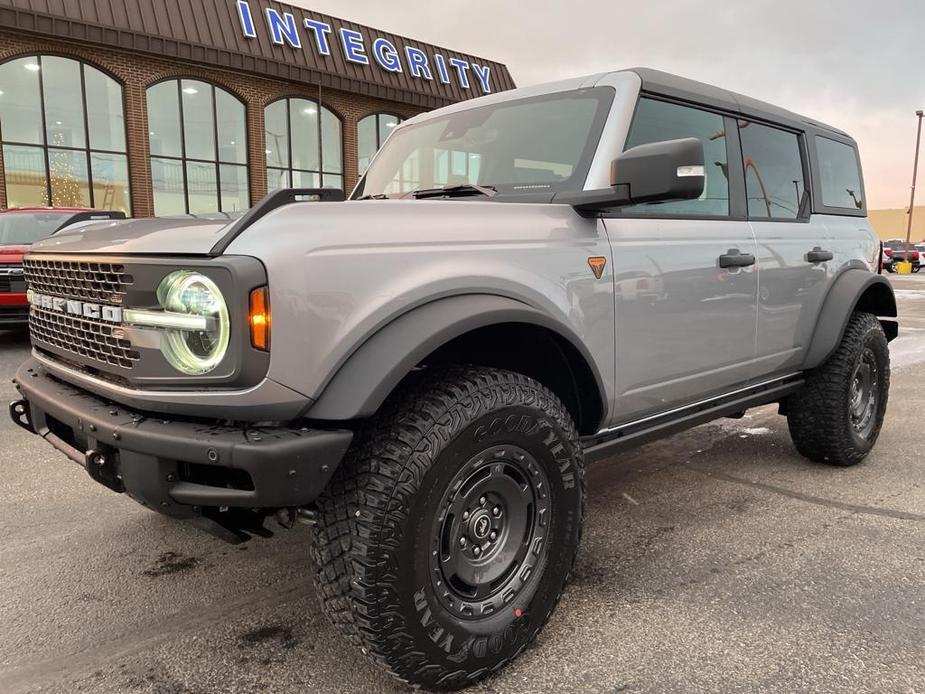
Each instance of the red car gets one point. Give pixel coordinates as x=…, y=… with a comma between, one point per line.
x=19, y=229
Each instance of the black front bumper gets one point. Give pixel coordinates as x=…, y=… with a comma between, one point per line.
x=179, y=467
x=14, y=316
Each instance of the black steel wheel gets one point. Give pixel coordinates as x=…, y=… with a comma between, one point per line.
x=865, y=394
x=490, y=532
x=449, y=532
x=837, y=416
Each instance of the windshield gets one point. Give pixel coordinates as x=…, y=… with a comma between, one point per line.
x=537, y=145
x=25, y=228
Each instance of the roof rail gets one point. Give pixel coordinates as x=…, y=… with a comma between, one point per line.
x=273, y=201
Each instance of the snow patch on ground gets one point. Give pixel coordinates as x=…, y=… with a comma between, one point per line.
x=741, y=427
x=907, y=350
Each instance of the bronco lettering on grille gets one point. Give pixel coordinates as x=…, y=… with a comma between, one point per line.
x=84, y=309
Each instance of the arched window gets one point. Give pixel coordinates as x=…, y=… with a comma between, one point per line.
x=62, y=130
x=304, y=145
x=198, y=138
x=371, y=133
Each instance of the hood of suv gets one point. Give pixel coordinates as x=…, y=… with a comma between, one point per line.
x=137, y=237
x=12, y=254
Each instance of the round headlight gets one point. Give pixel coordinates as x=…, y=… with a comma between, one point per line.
x=194, y=351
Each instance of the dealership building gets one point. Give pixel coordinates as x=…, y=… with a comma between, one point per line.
x=166, y=107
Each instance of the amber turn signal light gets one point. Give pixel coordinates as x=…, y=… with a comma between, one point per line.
x=259, y=319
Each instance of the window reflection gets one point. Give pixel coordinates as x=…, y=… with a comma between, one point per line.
x=168, y=186
x=234, y=192
x=21, y=102
x=70, y=186
x=26, y=176
x=198, y=139
x=372, y=131
x=63, y=135
x=164, y=120
x=202, y=182
x=773, y=171
x=839, y=173
x=198, y=120
x=64, y=108
x=110, y=180
x=304, y=145
x=105, y=118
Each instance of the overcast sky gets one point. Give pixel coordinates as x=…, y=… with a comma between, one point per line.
x=856, y=64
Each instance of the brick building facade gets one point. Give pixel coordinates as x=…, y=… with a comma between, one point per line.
x=254, y=69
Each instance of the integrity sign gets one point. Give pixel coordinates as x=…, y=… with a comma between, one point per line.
x=362, y=48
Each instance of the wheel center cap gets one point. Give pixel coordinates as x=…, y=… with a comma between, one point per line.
x=480, y=526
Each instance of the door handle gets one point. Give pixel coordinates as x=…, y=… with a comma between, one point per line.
x=735, y=258
x=817, y=255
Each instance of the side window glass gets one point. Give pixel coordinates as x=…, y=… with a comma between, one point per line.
x=773, y=171
x=839, y=174
x=657, y=121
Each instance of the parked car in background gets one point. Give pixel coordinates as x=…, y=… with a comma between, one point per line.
x=920, y=248
x=19, y=229
x=886, y=258
x=895, y=249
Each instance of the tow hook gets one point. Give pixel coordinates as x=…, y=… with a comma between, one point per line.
x=21, y=416
x=288, y=517
x=101, y=466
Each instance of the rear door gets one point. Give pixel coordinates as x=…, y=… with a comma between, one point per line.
x=685, y=327
x=795, y=250
x=839, y=188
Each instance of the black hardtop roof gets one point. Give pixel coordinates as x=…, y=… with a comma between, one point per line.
x=666, y=84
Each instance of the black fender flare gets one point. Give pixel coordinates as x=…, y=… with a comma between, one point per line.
x=371, y=372
x=854, y=289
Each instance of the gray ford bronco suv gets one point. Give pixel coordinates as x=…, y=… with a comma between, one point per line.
x=518, y=285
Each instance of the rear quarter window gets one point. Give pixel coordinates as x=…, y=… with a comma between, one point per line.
x=839, y=174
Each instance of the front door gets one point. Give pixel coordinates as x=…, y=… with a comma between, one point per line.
x=685, y=282
x=685, y=327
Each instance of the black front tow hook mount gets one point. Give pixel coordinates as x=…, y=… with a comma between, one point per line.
x=21, y=415
x=101, y=466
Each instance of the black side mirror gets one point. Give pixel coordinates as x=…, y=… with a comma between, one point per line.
x=656, y=172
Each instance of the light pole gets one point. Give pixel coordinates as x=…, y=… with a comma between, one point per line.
x=915, y=170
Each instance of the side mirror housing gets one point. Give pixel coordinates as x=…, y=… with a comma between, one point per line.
x=656, y=172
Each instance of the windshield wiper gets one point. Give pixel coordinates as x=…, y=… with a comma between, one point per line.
x=377, y=196
x=454, y=191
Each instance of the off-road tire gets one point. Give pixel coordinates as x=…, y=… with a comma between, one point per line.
x=374, y=542
x=819, y=415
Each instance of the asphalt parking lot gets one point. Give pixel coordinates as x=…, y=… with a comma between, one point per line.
x=717, y=560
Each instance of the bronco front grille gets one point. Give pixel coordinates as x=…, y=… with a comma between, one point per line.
x=91, y=281
x=86, y=338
